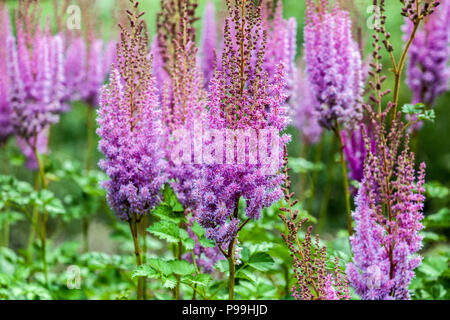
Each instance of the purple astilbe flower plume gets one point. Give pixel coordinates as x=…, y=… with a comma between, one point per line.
x=333, y=64
x=355, y=151
x=183, y=107
x=241, y=100
x=6, y=128
x=304, y=107
x=313, y=279
x=208, y=43
x=130, y=128
x=281, y=44
x=429, y=56
x=183, y=99
x=388, y=218
x=88, y=58
x=36, y=75
x=158, y=67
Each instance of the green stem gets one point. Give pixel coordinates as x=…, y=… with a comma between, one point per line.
x=144, y=255
x=34, y=221
x=134, y=233
x=232, y=275
x=90, y=137
x=85, y=227
x=89, y=156
x=345, y=179
x=44, y=216
x=326, y=197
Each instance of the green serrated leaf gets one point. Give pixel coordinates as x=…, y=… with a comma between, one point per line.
x=189, y=244
x=160, y=266
x=165, y=230
x=170, y=282
x=198, y=229
x=433, y=267
x=261, y=261
x=199, y=280
x=171, y=199
x=182, y=267
x=247, y=274
x=222, y=266
x=145, y=271
x=207, y=243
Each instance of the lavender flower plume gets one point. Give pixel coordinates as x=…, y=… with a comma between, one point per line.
x=388, y=218
x=428, y=67
x=281, y=44
x=241, y=98
x=130, y=127
x=355, y=151
x=183, y=107
x=36, y=75
x=208, y=43
x=6, y=128
x=88, y=58
x=333, y=64
x=304, y=107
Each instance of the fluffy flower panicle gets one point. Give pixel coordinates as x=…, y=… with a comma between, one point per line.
x=333, y=64
x=281, y=44
x=241, y=98
x=36, y=75
x=305, y=114
x=208, y=43
x=388, y=219
x=428, y=67
x=130, y=128
x=6, y=128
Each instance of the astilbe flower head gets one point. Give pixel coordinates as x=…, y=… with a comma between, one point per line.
x=6, y=128
x=281, y=46
x=355, y=150
x=183, y=108
x=314, y=281
x=130, y=128
x=88, y=58
x=183, y=97
x=208, y=43
x=333, y=64
x=304, y=112
x=388, y=218
x=241, y=99
x=429, y=56
x=36, y=75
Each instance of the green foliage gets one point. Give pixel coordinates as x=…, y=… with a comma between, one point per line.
x=419, y=111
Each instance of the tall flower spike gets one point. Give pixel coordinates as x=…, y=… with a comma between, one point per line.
x=305, y=114
x=313, y=279
x=208, y=42
x=388, y=218
x=281, y=44
x=36, y=75
x=183, y=107
x=355, y=151
x=241, y=100
x=6, y=128
x=130, y=128
x=429, y=56
x=88, y=58
x=333, y=64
